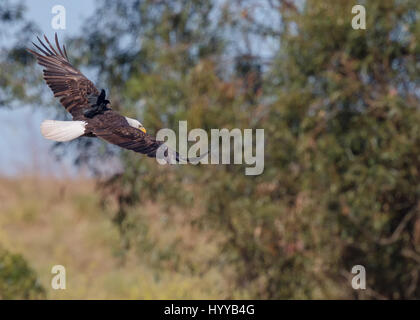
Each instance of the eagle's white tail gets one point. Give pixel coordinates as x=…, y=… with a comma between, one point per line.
x=62, y=130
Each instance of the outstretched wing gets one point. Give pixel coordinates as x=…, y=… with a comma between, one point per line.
x=114, y=128
x=133, y=139
x=67, y=83
x=129, y=138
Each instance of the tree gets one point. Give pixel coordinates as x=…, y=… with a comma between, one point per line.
x=17, y=279
x=15, y=80
x=349, y=101
x=339, y=109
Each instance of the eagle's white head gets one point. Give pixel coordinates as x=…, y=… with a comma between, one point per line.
x=135, y=124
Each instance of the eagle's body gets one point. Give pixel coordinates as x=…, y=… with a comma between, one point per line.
x=114, y=128
x=92, y=114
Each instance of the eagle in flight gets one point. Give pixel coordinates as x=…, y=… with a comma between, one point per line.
x=91, y=111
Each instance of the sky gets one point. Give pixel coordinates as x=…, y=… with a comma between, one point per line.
x=77, y=11
x=25, y=150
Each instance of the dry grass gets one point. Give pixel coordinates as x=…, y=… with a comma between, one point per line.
x=52, y=221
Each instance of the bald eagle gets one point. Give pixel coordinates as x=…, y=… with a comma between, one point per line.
x=92, y=113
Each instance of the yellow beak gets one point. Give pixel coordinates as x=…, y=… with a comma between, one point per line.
x=143, y=129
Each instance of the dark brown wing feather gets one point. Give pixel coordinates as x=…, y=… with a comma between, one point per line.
x=132, y=139
x=67, y=83
x=114, y=128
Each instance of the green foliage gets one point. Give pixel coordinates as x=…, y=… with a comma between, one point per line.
x=17, y=279
x=339, y=109
x=340, y=112
x=16, y=79
x=350, y=99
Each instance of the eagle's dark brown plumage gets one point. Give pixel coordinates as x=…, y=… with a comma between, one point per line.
x=67, y=83
x=113, y=128
x=76, y=91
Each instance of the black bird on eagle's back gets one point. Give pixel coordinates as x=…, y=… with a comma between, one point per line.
x=91, y=111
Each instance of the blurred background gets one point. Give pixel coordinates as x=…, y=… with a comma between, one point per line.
x=340, y=109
